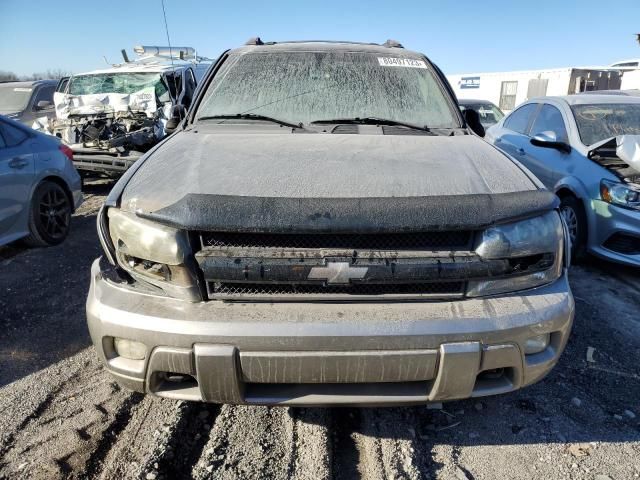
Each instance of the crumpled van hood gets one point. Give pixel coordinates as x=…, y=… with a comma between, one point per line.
x=320, y=166
x=86, y=105
x=267, y=182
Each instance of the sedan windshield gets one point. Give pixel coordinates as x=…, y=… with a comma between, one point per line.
x=303, y=87
x=116, y=83
x=14, y=99
x=598, y=122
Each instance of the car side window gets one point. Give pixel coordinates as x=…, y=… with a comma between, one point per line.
x=44, y=93
x=12, y=136
x=519, y=120
x=2, y=144
x=550, y=119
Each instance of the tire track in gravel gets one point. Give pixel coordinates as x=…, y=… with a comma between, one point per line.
x=186, y=437
x=266, y=442
x=144, y=434
x=24, y=401
x=385, y=443
x=72, y=429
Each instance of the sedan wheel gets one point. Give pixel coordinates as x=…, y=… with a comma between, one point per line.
x=571, y=219
x=50, y=218
x=576, y=220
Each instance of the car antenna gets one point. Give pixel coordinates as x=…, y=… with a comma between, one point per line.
x=173, y=69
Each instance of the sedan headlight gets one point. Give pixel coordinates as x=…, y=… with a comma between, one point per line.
x=153, y=253
x=621, y=194
x=534, y=249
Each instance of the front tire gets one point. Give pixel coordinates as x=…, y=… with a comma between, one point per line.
x=576, y=220
x=49, y=215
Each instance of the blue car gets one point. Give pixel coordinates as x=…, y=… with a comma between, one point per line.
x=39, y=186
x=586, y=149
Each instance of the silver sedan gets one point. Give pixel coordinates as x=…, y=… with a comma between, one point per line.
x=39, y=186
x=576, y=146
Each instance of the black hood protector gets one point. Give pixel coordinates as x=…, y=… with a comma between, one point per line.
x=227, y=213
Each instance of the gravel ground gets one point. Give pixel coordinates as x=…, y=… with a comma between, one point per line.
x=61, y=415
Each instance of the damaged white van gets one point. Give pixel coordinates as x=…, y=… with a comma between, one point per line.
x=111, y=117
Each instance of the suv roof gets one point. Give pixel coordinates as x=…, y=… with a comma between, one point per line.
x=389, y=47
x=31, y=83
x=468, y=101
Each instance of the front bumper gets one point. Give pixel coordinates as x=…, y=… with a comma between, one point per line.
x=99, y=162
x=607, y=220
x=328, y=353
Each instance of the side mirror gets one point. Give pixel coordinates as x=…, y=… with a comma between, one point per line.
x=549, y=139
x=473, y=121
x=42, y=104
x=178, y=112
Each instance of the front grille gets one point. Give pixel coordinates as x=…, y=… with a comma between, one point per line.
x=229, y=290
x=623, y=243
x=445, y=240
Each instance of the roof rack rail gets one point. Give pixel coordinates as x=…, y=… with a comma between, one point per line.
x=392, y=44
x=258, y=41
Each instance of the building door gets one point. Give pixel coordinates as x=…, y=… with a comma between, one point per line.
x=508, y=92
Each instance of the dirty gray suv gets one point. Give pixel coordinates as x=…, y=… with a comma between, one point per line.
x=324, y=228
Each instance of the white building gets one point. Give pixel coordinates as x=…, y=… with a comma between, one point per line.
x=509, y=89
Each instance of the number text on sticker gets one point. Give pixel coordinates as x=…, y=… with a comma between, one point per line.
x=401, y=62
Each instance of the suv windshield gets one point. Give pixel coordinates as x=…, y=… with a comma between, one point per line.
x=598, y=122
x=303, y=87
x=14, y=99
x=116, y=83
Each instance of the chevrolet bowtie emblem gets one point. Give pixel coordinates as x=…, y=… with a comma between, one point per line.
x=337, y=273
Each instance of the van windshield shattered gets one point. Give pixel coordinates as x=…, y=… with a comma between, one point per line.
x=303, y=87
x=125, y=83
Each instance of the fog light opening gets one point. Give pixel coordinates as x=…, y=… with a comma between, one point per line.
x=536, y=344
x=129, y=349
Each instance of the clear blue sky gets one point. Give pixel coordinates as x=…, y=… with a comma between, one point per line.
x=460, y=36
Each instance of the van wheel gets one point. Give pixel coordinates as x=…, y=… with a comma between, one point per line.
x=573, y=214
x=49, y=216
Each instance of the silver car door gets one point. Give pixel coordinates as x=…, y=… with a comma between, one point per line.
x=548, y=164
x=514, y=128
x=16, y=176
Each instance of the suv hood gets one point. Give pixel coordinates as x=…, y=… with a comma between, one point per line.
x=320, y=178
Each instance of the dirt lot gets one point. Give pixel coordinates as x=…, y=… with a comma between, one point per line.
x=61, y=416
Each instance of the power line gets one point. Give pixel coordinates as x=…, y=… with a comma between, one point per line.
x=173, y=69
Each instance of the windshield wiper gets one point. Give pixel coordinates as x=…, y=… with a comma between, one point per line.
x=373, y=121
x=251, y=116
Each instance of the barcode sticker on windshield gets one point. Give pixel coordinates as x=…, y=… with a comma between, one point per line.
x=401, y=62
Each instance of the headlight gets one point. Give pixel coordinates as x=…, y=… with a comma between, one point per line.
x=534, y=248
x=620, y=194
x=153, y=253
